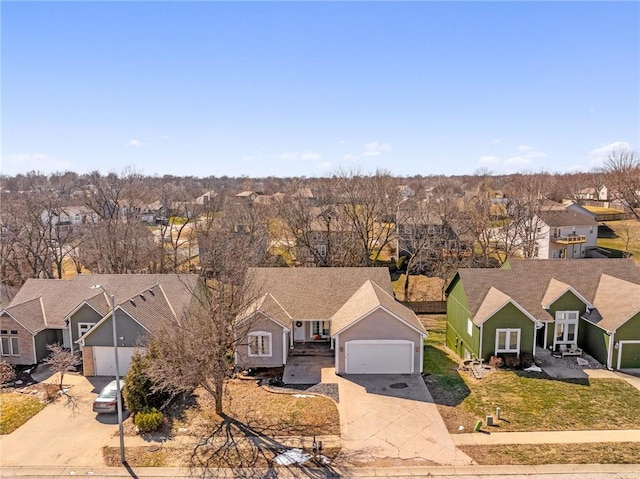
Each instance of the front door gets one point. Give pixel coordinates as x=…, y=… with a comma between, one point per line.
x=83, y=328
x=298, y=331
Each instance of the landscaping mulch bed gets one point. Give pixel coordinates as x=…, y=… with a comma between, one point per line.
x=325, y=389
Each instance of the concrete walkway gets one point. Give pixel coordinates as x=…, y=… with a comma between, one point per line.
x=379, y=420
x=546, y=437
x=559, y=471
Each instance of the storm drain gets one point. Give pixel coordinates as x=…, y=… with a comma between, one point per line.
x=398, y=385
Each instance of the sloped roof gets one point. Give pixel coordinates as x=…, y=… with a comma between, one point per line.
x=314, y=293
x=367, y=298
x=528, y=281
x=559, y=218
x=268, y=305
x=59, y=298
x=616, y=301
x=29, y=314
x=493, y=301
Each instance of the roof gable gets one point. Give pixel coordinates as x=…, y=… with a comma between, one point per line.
x=611, y=312
x=556, y=289
x=368, y=298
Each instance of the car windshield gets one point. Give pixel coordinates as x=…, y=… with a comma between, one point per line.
x=110, y=393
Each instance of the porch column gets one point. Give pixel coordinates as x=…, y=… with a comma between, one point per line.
x=291, y=332
x=333, y=345
x=546, y=325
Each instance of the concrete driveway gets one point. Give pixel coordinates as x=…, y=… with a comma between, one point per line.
x=60, y=435
x=391, y=417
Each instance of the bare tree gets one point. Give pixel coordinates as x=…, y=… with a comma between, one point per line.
x=198, y=349
x=366, y=205
x=61, y=361
x=118, y=242
x=622, y=173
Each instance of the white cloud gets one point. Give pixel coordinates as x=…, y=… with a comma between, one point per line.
x=351, y=157
x=496, y=141
x=341, y=142
x=21, y=162
x=604, y=150
x=488, y=159
x=302, y=156
x=376, y=146
x=136, y=143
x=518, y=160
x=524, y=155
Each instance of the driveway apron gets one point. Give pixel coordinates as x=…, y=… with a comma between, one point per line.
x=391, y=416
x=60, y=434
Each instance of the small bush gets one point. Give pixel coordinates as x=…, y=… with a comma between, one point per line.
x=50, y=391
x=7, y=373
x=148, y=420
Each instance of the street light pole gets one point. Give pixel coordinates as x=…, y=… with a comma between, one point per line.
x=118, y=389
x=123, y=460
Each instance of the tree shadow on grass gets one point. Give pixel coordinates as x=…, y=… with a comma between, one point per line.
x=442, y=378
x=236, y=449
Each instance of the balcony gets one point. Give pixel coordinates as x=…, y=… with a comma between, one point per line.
x=569, y=239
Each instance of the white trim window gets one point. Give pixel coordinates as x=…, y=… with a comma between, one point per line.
x=566, y=329
x=83, y=328
x=9, y=343
x=259, y=344
x=507, y=340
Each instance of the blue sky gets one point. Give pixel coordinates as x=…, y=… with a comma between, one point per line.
x=303, y=88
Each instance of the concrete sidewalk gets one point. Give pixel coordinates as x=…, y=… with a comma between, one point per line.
x=546, y=437
x=564, y=471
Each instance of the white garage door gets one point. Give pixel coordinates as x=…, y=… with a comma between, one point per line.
x=379, y=357
x=105, y=360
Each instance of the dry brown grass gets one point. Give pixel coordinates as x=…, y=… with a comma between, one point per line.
x=421, y=288
x=525, y=454
x=261, y=411
x=183, y=456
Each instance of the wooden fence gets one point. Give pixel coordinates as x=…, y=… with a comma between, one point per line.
x=426, y=307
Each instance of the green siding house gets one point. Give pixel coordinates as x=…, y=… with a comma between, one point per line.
x=593, y=305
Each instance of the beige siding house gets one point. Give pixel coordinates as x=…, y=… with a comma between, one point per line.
x=348, y=311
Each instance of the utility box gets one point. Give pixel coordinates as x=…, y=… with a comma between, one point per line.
x=489, y=420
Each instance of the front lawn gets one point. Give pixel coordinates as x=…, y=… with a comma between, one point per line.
x=16, y=409
x=521, y=454
x=259, y=411
x=528, y=401
x=250, y=412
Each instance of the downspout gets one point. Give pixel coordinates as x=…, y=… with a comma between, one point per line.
x=610, y=352
x=535, y=334
x=546, y=332
x=336, y=361
x=35, y=353
x=422, y=337
x=284, y=346
x=481, y=337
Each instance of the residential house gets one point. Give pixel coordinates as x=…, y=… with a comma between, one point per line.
x=601, y=193
x=78, y=316
x=564, y=233
x=591, y=305
x=351, y=311
x=424, y=233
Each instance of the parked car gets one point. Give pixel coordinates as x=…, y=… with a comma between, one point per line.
x=107, y=400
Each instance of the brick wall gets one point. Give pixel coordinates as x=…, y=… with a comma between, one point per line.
x=25, y=341
x=87, y=361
